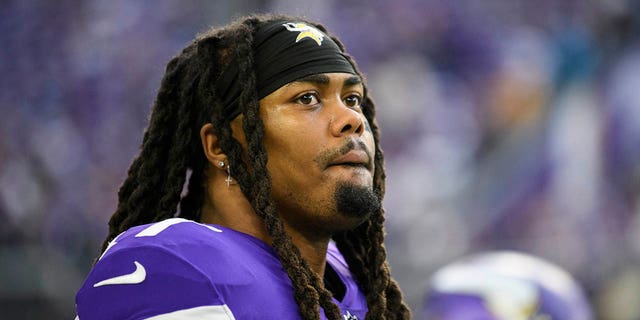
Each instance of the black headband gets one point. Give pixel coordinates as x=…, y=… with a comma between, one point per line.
x=283, y=52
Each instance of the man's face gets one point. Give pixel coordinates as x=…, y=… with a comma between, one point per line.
x=320, y=150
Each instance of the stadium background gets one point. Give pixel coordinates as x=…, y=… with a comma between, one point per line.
x=506, y=125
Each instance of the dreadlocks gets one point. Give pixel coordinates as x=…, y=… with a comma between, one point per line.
x=171, y=153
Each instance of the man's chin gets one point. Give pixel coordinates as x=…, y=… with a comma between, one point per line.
x=357, y=202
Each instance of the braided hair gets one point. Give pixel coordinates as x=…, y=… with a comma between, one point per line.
x=171, y=154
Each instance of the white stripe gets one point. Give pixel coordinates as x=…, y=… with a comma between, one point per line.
x=212, y=228
x=207, y=312
x=111, y=244
x=158, y=227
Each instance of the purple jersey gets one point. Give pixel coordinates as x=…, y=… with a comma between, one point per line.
x=180, y=269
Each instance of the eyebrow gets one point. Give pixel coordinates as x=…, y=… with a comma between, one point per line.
x=323, y=79
x=352, y=81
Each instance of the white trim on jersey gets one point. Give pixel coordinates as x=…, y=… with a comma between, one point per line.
x=209, y=312
x=158, y=227
x=221, y=312
x=111, y=244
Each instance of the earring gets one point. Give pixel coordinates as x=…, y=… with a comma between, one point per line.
x=221, y=164
x=228, y=180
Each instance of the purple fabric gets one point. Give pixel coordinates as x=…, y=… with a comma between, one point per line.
x=452, y=306
x=190, y=265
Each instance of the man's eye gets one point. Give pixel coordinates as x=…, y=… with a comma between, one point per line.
x=308, y=99
x=353, y=101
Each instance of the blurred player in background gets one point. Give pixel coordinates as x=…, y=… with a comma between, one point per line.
x=504, y=285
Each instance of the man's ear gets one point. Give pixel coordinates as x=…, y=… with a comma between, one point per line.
x=211, y=146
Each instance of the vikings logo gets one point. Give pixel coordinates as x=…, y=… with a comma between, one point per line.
x=349, y=316
x=306, y=31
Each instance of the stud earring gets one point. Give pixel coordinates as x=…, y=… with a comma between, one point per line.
x=221, y=164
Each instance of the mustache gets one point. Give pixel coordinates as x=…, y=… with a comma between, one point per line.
x=325, y=158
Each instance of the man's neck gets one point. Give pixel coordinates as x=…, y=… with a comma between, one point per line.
x=238, y=214
x=312, y=249
x=234, y=212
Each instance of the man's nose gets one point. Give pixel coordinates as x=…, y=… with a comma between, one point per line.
x=346, y=120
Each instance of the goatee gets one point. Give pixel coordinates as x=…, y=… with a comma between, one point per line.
x=357, y=201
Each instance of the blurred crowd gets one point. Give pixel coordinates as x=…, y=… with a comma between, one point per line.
x=507, y=125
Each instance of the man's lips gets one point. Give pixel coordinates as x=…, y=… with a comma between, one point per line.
x=352, y=153
x=354, y=157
